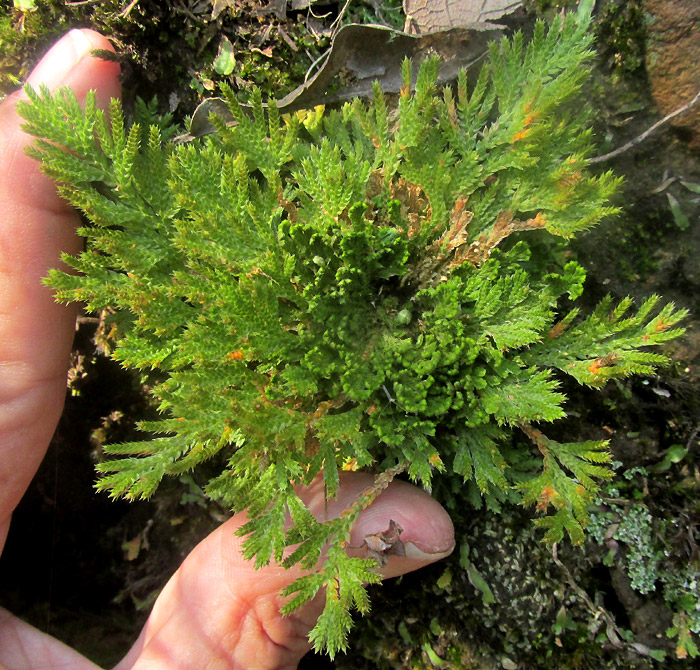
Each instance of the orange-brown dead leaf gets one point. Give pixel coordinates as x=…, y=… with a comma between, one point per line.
x=548, y=495
x=605, y=362
x=521, y=135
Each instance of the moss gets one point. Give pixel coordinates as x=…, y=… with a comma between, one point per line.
x=621, y=31
x=389, y=13
x=548, y=8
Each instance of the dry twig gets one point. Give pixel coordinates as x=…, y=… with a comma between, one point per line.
x=647, y=132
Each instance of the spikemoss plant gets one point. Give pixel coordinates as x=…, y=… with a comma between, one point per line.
x=353, y=289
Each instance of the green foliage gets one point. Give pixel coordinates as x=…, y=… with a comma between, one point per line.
x=335, y=290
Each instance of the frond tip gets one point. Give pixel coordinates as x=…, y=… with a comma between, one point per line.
x=568, y=482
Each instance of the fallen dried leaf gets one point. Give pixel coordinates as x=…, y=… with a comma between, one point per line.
x=383, y=544
x=424, y=17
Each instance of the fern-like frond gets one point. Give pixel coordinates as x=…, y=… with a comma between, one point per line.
x=352, y=289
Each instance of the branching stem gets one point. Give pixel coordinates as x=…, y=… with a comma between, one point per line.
x=537, y=437
x=369, y=495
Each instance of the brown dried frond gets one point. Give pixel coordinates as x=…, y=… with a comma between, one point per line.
x=480, y=250
x=375, y=184
x=288, y=206
x=606, y=361
x=411, y=196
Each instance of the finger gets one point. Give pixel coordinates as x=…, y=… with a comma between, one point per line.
x=36, y=225
x=221, y=611
x=25, y=648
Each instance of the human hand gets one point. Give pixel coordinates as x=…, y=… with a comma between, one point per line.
x=216, y=610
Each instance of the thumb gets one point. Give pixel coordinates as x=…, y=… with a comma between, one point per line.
x=35, y=332
x=218, y=611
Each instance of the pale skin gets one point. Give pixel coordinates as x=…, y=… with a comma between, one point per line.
x=216, y=611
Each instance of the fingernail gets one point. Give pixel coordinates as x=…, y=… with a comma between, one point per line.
x=63, y=56
x=412, y=551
